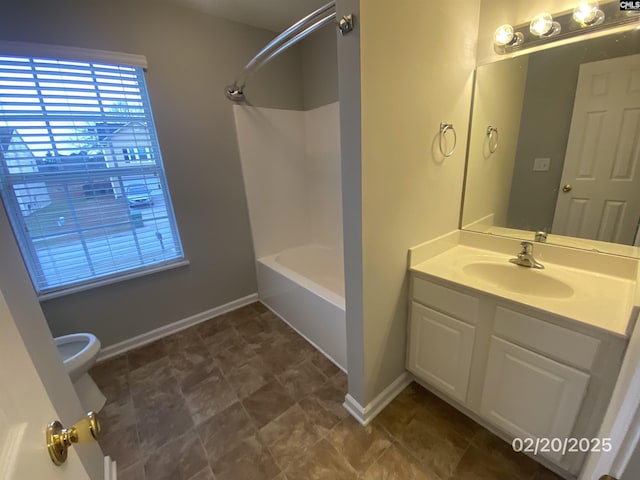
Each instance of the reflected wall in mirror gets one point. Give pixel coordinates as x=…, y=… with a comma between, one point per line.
x=568, y=146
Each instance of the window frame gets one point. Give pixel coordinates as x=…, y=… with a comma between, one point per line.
x=141, y=169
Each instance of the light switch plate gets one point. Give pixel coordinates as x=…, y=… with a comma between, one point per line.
x=541, y=164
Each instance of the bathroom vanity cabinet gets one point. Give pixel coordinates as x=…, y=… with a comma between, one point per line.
x=521, y=371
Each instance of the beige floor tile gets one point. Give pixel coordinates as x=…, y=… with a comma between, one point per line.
x=118, y=411
x=438, y=453
x=278, y=355
x=501, y=453
x=147, y=354
x=478, y=465
x=133, y=472
x=290, y=436
x=444, y=418
x=179, y=459
x=340, y=380
x=397, y=464
x=249, y=377
x=225, y=431
x=150, y=377
x=182, y=339
x=251, y=460
x=267, y=403
x=322, y=363
x=230, y=358
x=217, y=334
x=324, y=407
x=209, y=397
x=122, y=446
x=361, y=446
x=396, y=416
x=159, y=426
x=301, y=380
x=323, y=462
x=191, y=364
x=204, y=474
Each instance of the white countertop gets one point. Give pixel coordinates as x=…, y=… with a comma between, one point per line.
x=601, y=300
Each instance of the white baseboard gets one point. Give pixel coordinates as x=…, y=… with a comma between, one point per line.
x=364, y=415
x=110, y=469
x=148, y=337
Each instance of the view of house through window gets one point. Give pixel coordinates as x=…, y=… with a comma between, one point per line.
x=81, y=174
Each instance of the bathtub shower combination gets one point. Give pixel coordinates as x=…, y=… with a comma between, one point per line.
x=305, y=286
x=291, y=168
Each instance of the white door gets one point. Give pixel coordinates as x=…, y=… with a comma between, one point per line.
x=440, y=351
x=34, y=387
x=599, y=195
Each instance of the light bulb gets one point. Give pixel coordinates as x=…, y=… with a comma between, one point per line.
x=588, y=13
x=505, y=35
x=543, y=25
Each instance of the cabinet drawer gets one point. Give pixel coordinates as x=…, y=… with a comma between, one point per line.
x=440, y=351
x=566, y=345
x=460, y=305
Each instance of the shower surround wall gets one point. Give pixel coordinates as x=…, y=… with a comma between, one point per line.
x=291, y=167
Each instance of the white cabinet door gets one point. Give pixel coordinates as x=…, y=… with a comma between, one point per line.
x=531, y=396
x=440, y=351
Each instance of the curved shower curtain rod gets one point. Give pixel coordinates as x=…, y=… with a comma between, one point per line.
x=290, y=36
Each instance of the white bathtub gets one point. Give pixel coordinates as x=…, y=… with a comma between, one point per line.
x=305, y=287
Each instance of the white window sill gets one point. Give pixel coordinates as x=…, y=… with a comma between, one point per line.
x=111, y=280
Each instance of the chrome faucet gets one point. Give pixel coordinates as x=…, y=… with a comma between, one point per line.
x=525, y=257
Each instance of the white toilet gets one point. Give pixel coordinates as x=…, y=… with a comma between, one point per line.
x=79, y=352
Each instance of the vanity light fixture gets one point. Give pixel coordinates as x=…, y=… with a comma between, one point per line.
x=506, y=35
x=587, y=16
x=588, y=13
x=543, y=25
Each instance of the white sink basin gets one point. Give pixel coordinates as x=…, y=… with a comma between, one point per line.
x=517, y=279
x=606, y=296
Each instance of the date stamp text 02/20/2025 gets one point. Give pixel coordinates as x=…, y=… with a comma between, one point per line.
x=561, y=445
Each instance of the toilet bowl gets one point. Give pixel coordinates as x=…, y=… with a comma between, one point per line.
x=79, y=352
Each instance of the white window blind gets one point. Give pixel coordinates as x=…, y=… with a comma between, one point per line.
x=81, y=175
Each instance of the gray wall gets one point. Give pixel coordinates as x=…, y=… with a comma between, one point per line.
x=191, y=57
x=545, y=123
x=349, y=79
x=320, y=67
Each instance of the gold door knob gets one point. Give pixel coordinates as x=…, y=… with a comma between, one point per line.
x=59, y=439
x=566, y=188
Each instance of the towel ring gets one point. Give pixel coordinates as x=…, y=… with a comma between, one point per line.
x=492, y=135
x=444, y=128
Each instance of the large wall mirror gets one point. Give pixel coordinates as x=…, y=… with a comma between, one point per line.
x=555, y=146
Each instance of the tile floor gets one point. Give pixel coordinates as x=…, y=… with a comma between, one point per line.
x=243, y=397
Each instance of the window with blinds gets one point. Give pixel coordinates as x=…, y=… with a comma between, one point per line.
x=81, y=174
